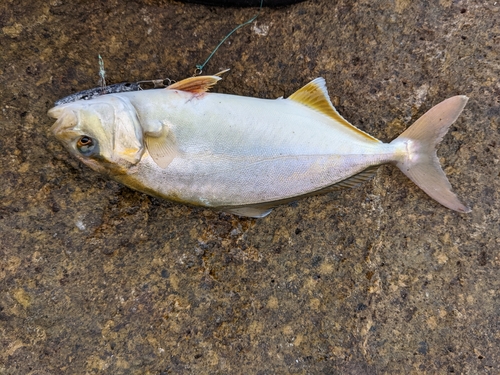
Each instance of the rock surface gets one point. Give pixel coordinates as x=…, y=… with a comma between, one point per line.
x=96, y=278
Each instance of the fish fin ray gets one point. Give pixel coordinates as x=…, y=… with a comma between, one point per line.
x=162, y=148
x=197, y=85
x=353, y=181
x=421, y=164
x=315, y=96
x=222, y=72
x=259, y=210
x=249, y=211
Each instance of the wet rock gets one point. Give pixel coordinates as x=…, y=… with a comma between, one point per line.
x=98, y=278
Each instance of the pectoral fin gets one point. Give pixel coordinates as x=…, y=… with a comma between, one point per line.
x=162, y=147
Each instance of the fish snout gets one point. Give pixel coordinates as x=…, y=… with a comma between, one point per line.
x=55, y=112
x=66, y=120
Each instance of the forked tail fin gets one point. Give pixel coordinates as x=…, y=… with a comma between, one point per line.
x=420, y=162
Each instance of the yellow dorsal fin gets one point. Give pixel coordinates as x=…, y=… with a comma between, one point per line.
x=315, y=96
x=197, y=85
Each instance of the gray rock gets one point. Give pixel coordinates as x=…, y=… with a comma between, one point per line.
x=96, y=278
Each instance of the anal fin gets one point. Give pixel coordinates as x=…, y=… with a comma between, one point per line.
x=260, y=210
x=249, y=211
x=355, y=180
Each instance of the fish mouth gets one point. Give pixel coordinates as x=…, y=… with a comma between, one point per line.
x=66, y=120
x=55, y=112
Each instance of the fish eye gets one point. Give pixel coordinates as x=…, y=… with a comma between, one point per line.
x=85, y=145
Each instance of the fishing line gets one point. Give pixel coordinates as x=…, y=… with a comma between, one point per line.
x=102, y=73
x=128, y=86
x=199, y=68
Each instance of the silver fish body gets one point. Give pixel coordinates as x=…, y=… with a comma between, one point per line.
x=243, y=155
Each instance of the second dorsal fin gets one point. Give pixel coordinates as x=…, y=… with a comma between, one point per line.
x=315, y=96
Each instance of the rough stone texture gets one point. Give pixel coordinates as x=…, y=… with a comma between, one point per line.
x=96, y=278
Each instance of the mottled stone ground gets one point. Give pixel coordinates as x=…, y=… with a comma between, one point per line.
x=96, y=278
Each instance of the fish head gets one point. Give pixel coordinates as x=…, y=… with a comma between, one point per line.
x=103, y=133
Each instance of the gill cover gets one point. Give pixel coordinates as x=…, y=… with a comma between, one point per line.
x=127, y=132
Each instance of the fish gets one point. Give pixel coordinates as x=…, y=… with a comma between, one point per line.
x=245, y=155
